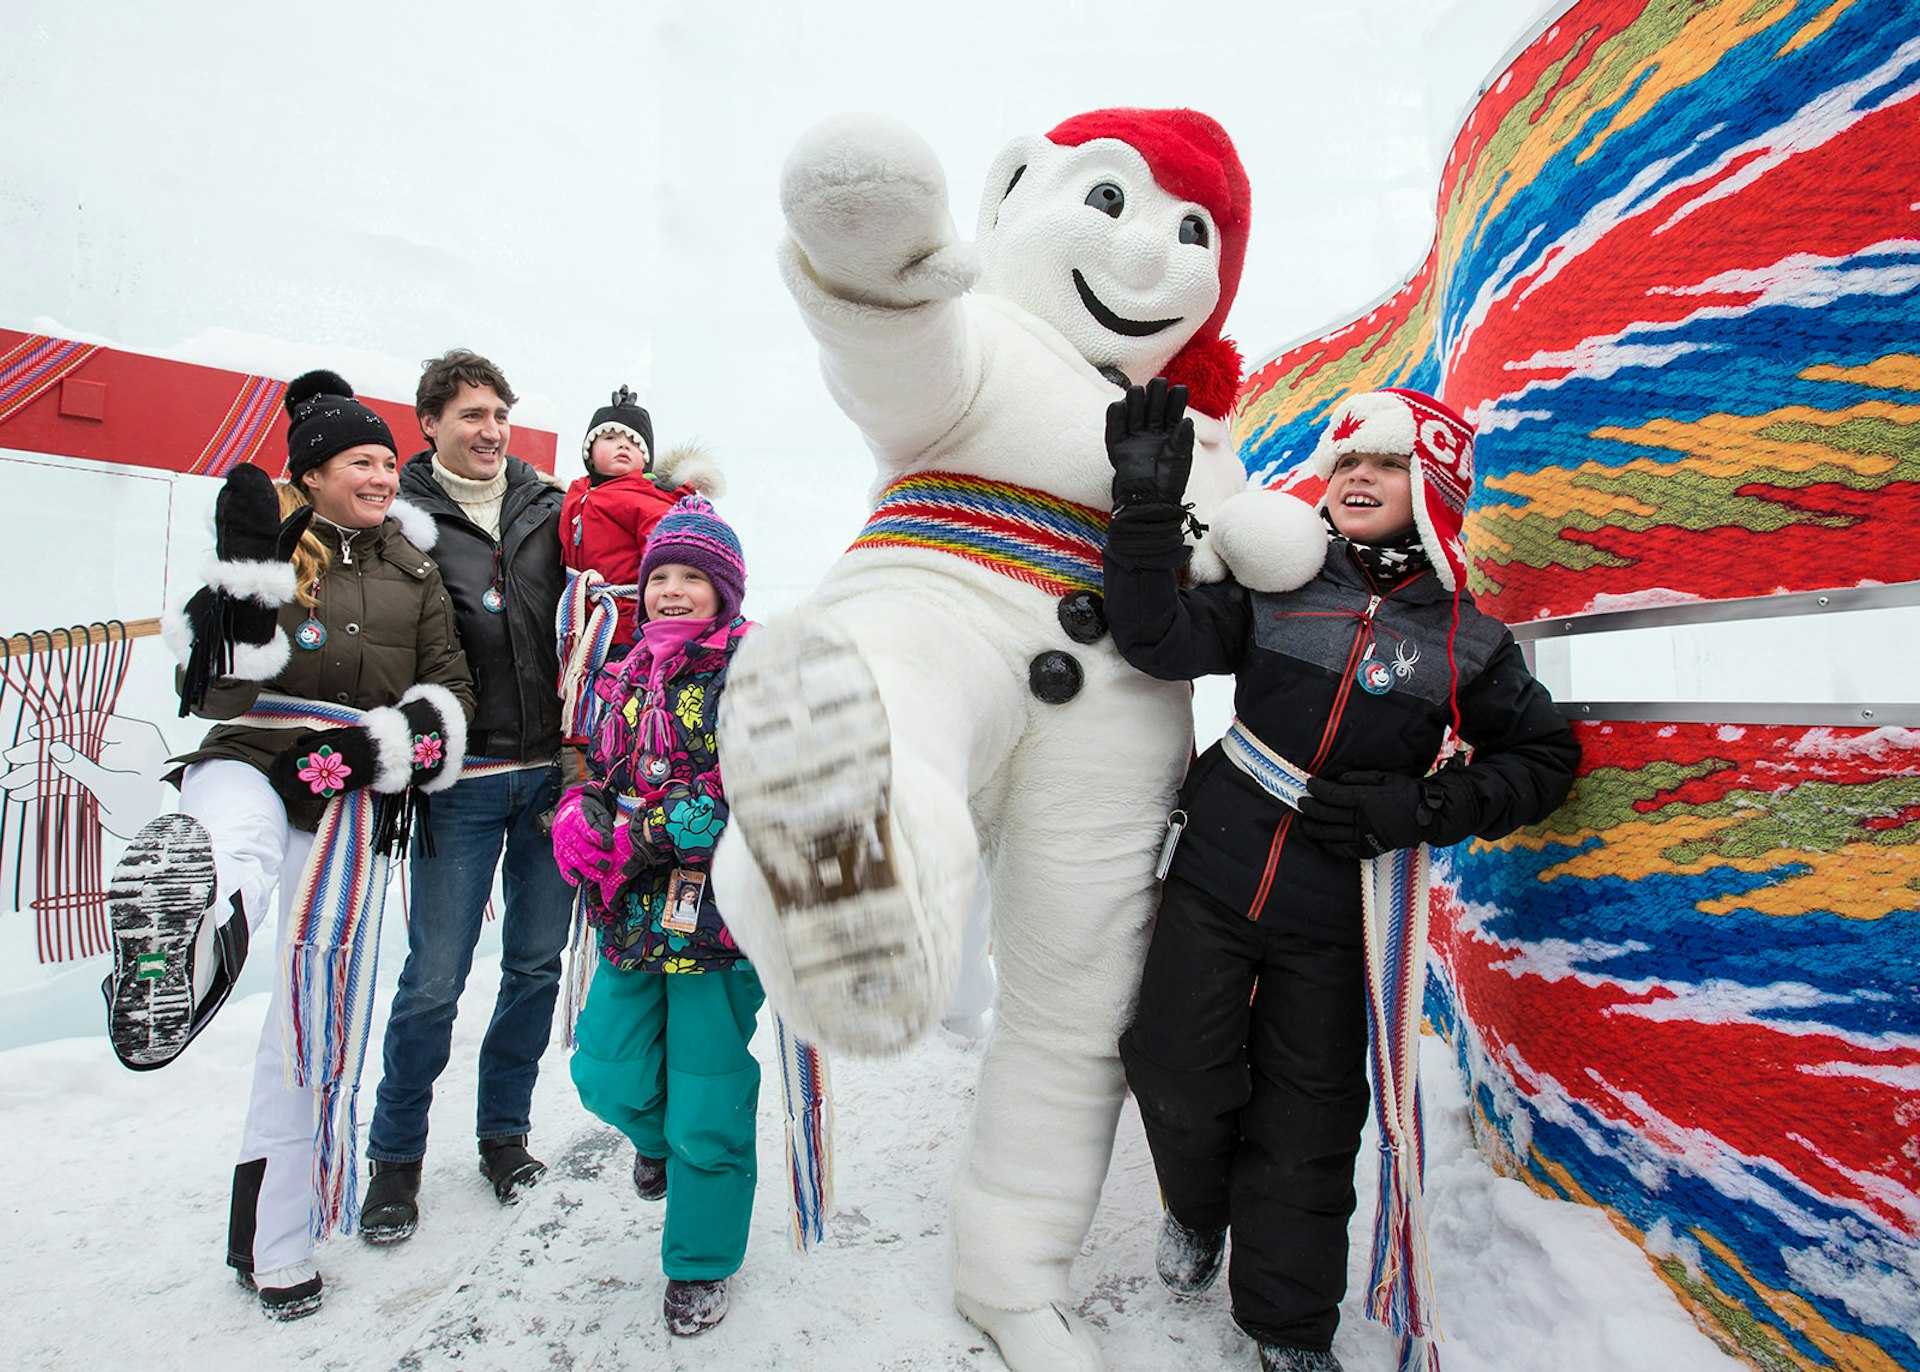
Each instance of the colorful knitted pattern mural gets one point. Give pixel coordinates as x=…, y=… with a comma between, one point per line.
x=1690, y=997
x=1676, y=285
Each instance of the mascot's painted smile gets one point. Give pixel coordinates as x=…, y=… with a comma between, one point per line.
x=1107, y=319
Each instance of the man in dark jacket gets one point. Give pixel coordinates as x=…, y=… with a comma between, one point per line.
x=499, y=554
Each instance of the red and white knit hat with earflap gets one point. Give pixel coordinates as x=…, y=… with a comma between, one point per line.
x=1440, y=443
x=1191, y=157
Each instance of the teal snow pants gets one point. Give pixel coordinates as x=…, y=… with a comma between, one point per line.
x=663, y=1058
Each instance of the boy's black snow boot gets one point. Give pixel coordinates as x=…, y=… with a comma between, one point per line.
x=509, y=1166
x=1188, y=1260
x=1276, y=1357
x=649, y=1176
x=692, y=1307
x=391, y=1211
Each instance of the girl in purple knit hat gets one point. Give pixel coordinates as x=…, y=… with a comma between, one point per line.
x=663, y=1040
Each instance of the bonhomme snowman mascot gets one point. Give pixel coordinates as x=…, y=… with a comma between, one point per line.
x=949, y=688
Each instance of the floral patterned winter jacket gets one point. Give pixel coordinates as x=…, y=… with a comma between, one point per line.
x=678, y=808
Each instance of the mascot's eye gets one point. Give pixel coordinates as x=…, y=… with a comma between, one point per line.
x=1107, y=198
x=1193, y=229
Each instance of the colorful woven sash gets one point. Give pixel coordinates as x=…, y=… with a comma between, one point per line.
x=1393, y=895
x=333, y=948
x=1016, y=531
x=585, y=622
x=805, y=1092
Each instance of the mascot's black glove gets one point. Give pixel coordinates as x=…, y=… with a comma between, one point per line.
x=1150, y=445
x=1365, y=814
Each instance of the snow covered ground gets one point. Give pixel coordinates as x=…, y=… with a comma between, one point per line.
x=116, y=1217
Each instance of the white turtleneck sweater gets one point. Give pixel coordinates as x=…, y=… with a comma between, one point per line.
x=480, y=500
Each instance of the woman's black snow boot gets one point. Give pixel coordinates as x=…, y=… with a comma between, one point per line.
x=1276, y=1357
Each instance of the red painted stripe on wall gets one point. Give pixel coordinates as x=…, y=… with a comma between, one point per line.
x=143, y=411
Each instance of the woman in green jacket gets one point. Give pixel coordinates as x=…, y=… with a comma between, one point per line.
x=325, y=641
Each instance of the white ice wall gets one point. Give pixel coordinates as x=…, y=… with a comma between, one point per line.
x=586, y=192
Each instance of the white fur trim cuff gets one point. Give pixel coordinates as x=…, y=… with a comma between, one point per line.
x=392, y=749
x=269, y=583
x=262, y=661
x=177, y=633
x=1269, y=540
x=453, y=731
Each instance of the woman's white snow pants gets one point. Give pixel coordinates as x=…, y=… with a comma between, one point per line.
x=255, y=853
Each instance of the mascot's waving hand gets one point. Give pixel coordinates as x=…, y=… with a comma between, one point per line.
x=950, y=687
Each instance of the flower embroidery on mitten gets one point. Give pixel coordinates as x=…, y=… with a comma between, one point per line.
x=325, y=772
x=428, y=750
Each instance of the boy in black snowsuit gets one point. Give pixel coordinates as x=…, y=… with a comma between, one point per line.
x=1253, y=1103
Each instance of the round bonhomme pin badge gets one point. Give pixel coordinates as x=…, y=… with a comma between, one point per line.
x=1375, y=677
x=311, y=634
x=492, y=600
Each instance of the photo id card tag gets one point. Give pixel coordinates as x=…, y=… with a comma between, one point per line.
x=683, y=900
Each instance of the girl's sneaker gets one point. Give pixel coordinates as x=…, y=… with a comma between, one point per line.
x=693, y=1307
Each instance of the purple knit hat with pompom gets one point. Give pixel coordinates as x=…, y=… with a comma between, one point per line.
x=693, y=535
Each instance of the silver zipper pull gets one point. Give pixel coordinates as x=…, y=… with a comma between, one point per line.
x=1176, y=825
x=346, y=549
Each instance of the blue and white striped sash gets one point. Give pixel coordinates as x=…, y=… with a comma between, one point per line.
x=1393, y=894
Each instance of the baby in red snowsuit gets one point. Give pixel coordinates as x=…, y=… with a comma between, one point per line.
x=610, y=512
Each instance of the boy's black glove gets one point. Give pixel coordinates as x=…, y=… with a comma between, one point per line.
x=1365, y=814
x=1150, y=445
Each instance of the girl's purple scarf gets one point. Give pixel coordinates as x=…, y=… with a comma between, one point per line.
x=659, y=653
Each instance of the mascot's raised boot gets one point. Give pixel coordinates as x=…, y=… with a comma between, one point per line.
x=858, y=955
x=1045, y=1340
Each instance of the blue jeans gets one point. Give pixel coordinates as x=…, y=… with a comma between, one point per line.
x=449, y=894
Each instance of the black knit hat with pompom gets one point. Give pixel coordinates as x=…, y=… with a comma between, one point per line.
x=323, y=418
x=623, y=414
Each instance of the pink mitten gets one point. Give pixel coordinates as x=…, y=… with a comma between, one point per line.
x=583, y=839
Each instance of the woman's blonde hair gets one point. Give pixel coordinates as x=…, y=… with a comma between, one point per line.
x=311, y=557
